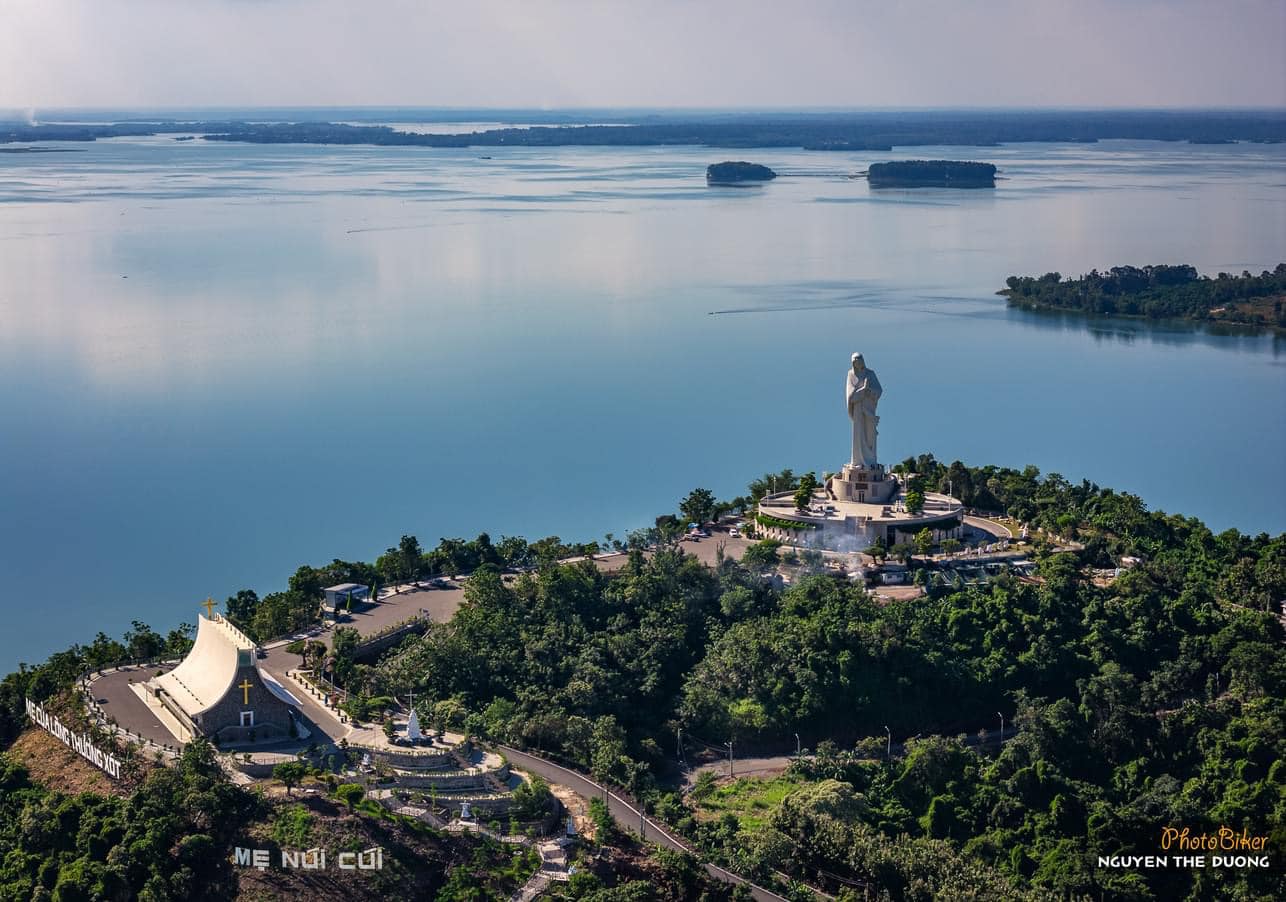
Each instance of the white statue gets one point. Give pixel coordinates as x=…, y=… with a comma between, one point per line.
x=413, y=731
x=862, y=394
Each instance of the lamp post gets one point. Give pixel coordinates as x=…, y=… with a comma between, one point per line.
x=729, y=758
x=1002, y=727
x=797, y=753
x=888, y=755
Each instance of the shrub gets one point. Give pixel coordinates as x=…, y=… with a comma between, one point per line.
x=350, y=794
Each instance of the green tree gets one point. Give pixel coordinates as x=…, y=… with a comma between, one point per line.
x=410, y=555
x=878, y=549
x=350, y=794
x=924, y=541
x=803, y=497
x=902, y=551
x=179, y=640
x=241, y=607
x=143, y=642
x=343, y=647
x=290, y=774
x=762, y=555
x=914, y=501
x=699, y=506
x=532, y=800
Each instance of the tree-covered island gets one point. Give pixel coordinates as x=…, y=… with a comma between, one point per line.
x=1140, y=672
x=1159, y=292
x=931, y=174
x=737, y=172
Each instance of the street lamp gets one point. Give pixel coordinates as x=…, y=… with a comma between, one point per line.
x=796, y=745
x=1002, y=727
x=888, y=755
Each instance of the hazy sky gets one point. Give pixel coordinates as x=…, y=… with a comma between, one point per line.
x=561, y=53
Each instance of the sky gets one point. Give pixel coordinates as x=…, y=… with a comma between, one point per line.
x=646, y=53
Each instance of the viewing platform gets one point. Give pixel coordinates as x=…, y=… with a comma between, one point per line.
x=834, y=524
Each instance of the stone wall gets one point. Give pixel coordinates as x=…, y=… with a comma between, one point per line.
x=272, y=715
x=376, y=646
x=410, y=759
x=454, y=782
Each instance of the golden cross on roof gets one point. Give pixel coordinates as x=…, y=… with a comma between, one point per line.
x=245, y=688
x=209, y=605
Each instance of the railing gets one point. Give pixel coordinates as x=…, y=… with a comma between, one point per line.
x=84, y=687
x=310, y=684
x=418, y=620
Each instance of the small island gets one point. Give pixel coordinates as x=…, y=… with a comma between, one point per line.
x=931, y=174
x=1159, y=292
x=737, y=172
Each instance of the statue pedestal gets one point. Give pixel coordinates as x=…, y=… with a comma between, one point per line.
x=866, y=485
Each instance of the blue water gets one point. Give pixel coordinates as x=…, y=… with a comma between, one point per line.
x=218, y=362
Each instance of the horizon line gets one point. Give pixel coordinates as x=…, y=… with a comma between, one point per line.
x=819, y=108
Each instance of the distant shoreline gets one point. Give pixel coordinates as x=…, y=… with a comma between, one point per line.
x=810, y=131
x=42, y=150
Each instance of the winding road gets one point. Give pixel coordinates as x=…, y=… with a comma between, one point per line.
x=626, y=814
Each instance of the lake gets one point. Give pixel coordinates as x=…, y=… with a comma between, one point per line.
x=221, y=361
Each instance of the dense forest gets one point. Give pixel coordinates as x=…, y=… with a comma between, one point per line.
x=167, y=840
x=1156, y=700
x=1159, y=292
x=815, y=131
x=936, y=173
x=1151, y=699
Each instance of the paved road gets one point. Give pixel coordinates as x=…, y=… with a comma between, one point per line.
x=741, y=767
x=991, y=527
x=117, y=699
x=626, y=814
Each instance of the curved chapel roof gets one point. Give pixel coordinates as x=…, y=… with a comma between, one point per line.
x=210, y=668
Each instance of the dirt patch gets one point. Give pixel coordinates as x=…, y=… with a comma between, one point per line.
x=55, y=766
x=900, y=593
x=577, y=807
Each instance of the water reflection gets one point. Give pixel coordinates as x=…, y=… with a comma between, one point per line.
x=1171, y=332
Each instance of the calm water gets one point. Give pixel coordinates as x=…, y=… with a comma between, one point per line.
x=218, y=362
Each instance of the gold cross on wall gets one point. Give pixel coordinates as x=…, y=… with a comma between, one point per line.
x=209, y=604
x=245, y=688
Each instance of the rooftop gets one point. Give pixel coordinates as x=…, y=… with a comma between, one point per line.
x=204, y=676
x=782, y=505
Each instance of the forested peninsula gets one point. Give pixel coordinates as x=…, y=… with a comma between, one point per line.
x=811, y=131
x=1159, y=292
x=1142, y=677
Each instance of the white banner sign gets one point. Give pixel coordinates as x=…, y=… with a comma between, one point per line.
x=77, y=742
